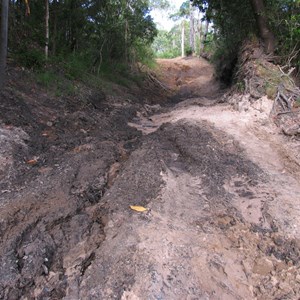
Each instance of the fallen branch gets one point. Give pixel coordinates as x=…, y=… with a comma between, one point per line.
x=157, y=82
x=288, y=112
x=153, y=79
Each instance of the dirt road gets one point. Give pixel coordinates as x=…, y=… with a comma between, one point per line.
x=221, y=188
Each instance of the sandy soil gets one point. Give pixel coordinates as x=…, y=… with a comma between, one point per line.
x=221, y=188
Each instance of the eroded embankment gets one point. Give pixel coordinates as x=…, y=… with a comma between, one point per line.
x=58, y=158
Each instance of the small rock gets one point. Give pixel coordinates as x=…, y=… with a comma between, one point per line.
x=274, y=280
x=45, y=269
x=290, y=263
x=284, y=287
x=280, y=266
x=49, y=123
x=262, y=266
x=278, y=241
x=291, y=130
x=269, y=286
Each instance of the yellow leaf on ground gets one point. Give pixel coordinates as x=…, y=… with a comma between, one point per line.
x=138, y=208
x=32, y=161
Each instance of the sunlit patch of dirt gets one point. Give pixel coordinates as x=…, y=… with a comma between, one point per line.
x=190, y=77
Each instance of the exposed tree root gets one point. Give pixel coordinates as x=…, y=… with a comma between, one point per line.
x=258, y=77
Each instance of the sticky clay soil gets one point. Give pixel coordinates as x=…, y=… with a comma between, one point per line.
x=221, y=188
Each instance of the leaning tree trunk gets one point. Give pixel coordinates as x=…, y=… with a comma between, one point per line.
x=3, y=46
x=262, y=23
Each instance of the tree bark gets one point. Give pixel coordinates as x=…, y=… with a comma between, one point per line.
x=54, y=35
x=202, y=44
x=47, y=29
x=182, y=39
x=262, y=23
x=200, y=36
x=127, y=32
x=4, y=34
x=126, y=40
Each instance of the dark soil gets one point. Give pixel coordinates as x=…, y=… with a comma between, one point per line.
x=71, y=167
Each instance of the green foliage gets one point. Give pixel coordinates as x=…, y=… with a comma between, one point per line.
x=159, y=4
x=83, y=33
x=188, y=51
x=284, y=18
x=46, y=78
x=234, y=21
x=240, y=86
x=167, y=44
x=119, y=72
x=210, y=44
x=75, y=66
x=144, y=54
x=30, y=58
x=183, y=11
x=224, y=58
x=57, y=83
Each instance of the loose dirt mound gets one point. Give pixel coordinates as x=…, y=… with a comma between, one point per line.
x=221, y=192
x=189, y=77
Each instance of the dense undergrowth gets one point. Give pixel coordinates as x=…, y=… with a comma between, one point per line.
x=77, y=40
x=64, y=79
x=236, y=21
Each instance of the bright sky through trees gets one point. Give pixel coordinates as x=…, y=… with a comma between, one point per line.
x=162, y=19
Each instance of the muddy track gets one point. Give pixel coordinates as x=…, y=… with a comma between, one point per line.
x=221, y=222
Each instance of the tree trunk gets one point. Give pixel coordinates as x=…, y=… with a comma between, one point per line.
x=47, y=29
x=202, y=44
x=192, y=30
x=27, y=8
x=127, y=30
x=3, y=46
x=126, y=40
x=200, y=36
x=262, y=23
x=182, y=39
x=54, y=35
